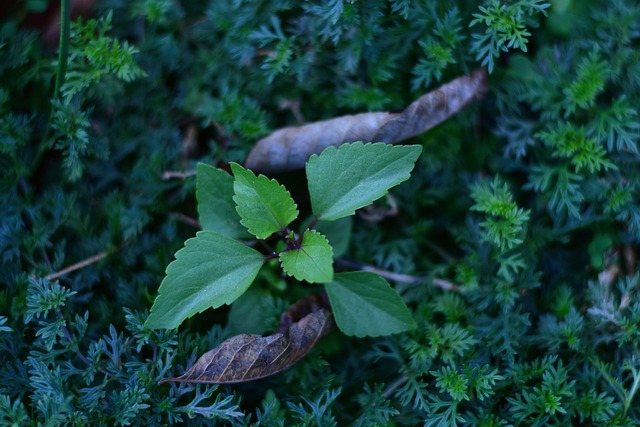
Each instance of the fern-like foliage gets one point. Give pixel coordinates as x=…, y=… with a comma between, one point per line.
x=506, y=220
x=97, y=66
x=515, y=244
x=505, y=28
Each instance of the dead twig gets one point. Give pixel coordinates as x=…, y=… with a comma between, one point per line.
x=397, y=277
x=446, y=285
x=167, y=175
x=86, y=262
x=79, y=265
x=186, y=219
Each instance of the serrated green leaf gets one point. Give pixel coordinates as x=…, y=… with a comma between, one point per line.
x=211, y=270
x=364, y=304
x=337, y=232
x=352, y=176
x=265, y=207
x=313, y=262
x=216, y=208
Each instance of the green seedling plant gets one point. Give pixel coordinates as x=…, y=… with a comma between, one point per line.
x=217, y=266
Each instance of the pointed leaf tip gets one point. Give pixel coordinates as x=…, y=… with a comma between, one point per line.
x=364, y=304
x=211, y=270
x=342, y=180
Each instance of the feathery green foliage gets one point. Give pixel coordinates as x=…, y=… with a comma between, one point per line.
x=514, y=245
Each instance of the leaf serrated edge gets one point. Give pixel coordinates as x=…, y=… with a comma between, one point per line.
x=350, y=146
x=296, y=276
x=154, y=318
x=264, y=177
x=410, y=325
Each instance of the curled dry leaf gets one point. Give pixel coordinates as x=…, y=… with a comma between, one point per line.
x=289, y=148
x=251, y=357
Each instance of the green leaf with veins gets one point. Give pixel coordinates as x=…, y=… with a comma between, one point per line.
x=265, y=207
x=312, y=262
x=364, y=304
x=352, y=176
x=216, y=208
x=211, y=270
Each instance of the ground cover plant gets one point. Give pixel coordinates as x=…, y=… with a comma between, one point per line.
x=513, y=245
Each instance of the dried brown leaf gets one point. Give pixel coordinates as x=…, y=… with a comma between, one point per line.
x=289, y=148
x=250, y=357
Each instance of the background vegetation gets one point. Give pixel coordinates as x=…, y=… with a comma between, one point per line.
x=515, y=240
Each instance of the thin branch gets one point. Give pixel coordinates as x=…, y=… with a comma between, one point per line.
x=167, y=175
x=79, y=265
x=61, y=72
x=294, y=106
x=629, y=260
x=270, y=256
x=437, y=249
x=69, y=338
x=396, y=384
x=446, y=285
x=313, y=222
x=634, y=388
x=63, y=49
x=45, y=256
x=403, y=278
x=86, y=262
x=186, y=219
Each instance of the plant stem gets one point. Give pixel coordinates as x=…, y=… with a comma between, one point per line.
x=437, y=249
x=63, y=50
x=86, y=262
x=78, y=265
x=61, y=71
x=445, y=284
x=397, y=383
x=634, y=388
x=67, y=335
x=404, y=278
x=186, y=219
x=167, y=175
x=313, y=222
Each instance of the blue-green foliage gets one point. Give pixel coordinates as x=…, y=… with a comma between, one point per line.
x=506, y=220
x=97, y=66
x=520, y=226
x=96, y=58
x=440, y=49
x=506, y=27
